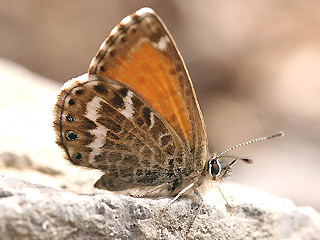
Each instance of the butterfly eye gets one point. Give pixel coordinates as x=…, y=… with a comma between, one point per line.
x=214, y=168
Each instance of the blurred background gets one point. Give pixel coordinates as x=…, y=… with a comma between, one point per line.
x=255, y=66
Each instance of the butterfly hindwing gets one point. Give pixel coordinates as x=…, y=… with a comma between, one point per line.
x=106, y=125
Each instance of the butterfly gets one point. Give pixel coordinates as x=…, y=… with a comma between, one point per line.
x=135, y=115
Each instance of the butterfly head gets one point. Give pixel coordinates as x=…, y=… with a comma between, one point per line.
x=219, y=171
x=214, y=167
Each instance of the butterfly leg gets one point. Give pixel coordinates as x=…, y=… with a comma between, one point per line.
x=182, y=192
x=228, y=206
x=199, y=200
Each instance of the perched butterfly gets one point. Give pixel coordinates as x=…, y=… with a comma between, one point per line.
x=135, y=115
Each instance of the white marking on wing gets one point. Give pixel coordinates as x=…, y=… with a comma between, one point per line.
x=151, y=120
x=75, y=81
x=162, y=44
x=126, y=20
x=100, y=134
x=115, y=86
x=114, y=30
x=93, y=108
x=128, y=111
x=144, y=10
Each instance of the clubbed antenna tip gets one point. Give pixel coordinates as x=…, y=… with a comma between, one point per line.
x=247, y=160
x=279, y=134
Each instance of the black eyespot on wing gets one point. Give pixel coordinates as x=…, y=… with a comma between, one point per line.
x=69, y=118
x=112, y=53
x=71, y=102
x=71, y=135
x=77, y=156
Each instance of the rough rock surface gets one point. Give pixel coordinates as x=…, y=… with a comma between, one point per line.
x=30, y=211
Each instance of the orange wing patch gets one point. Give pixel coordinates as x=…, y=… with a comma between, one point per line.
x=148, y=71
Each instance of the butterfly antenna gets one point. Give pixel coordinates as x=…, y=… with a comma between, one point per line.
x=279, y=134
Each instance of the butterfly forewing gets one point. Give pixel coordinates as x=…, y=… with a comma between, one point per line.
x=141, y=53
x=135, y=115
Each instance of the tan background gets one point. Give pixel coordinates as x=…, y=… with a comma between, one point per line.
x=255, y=66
